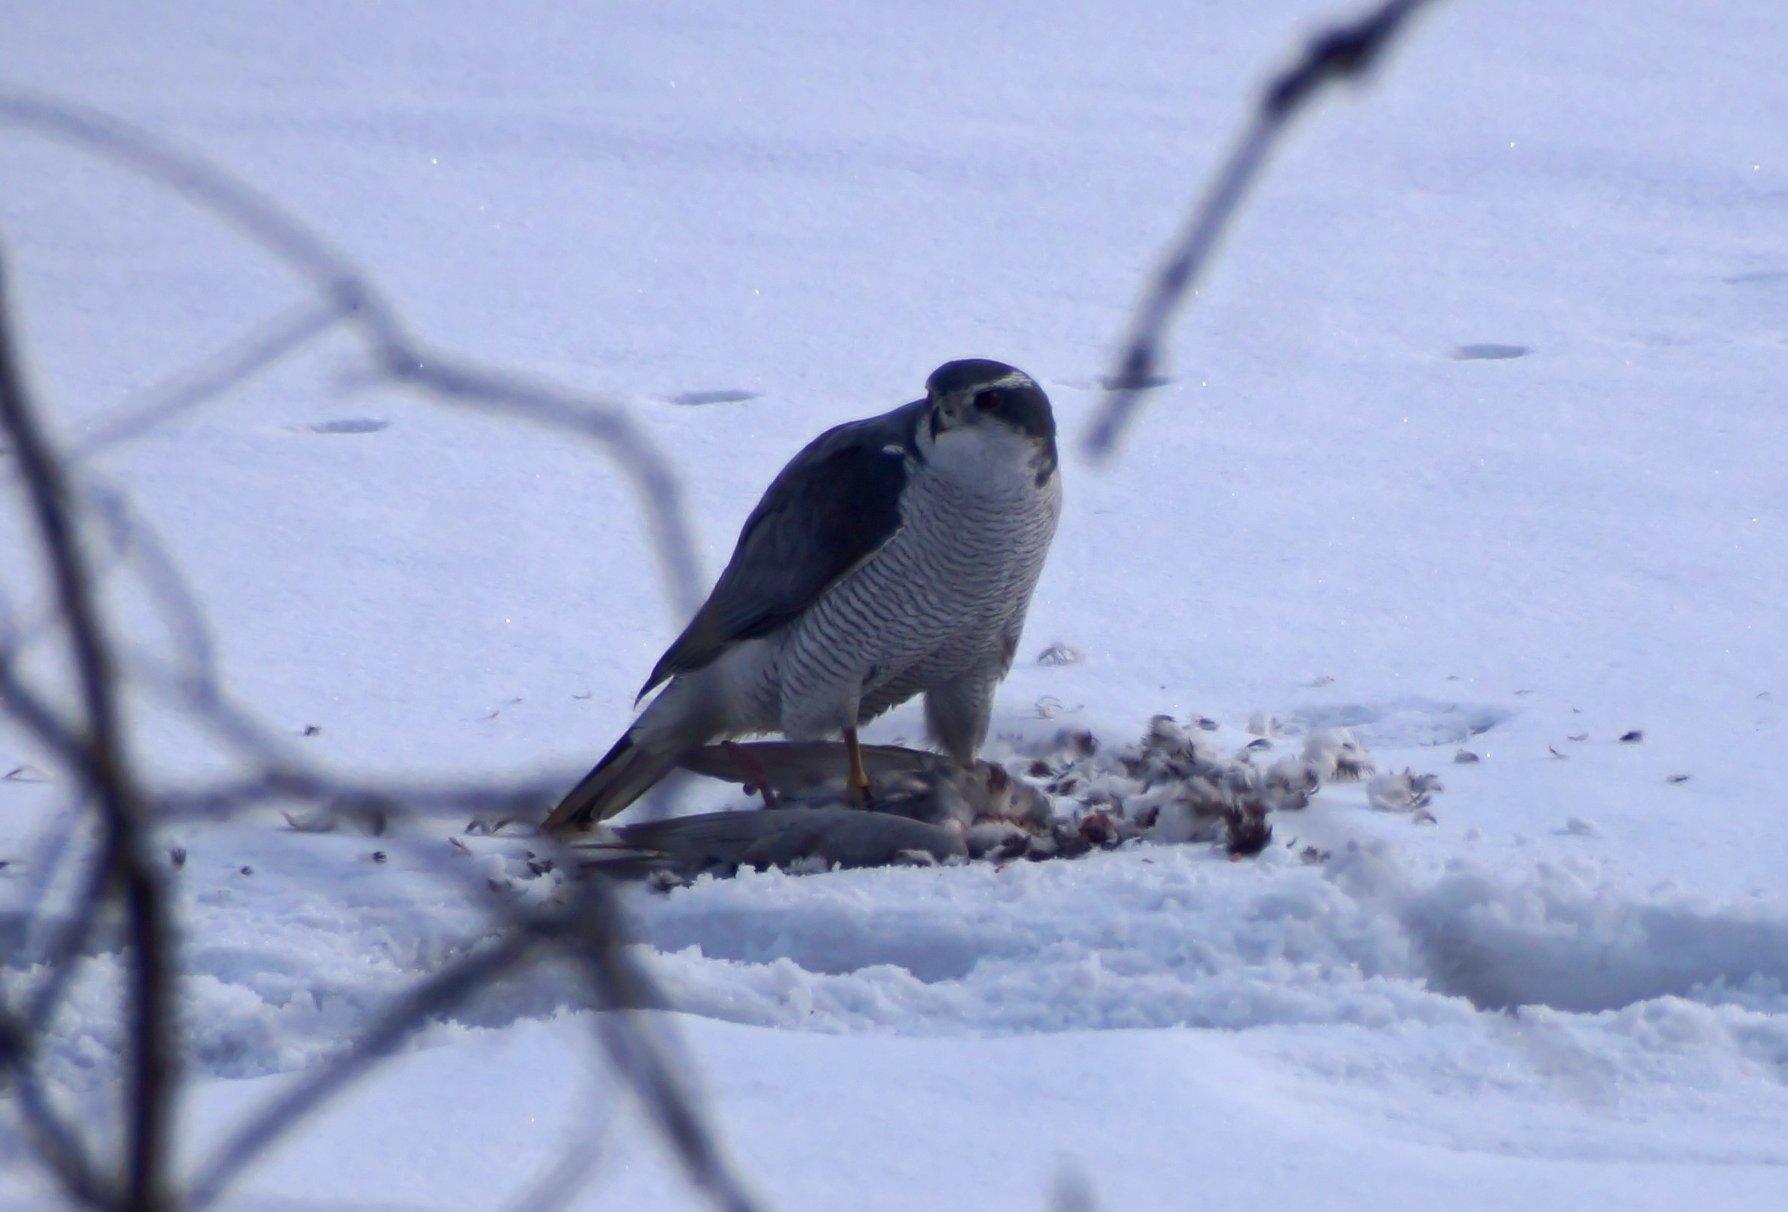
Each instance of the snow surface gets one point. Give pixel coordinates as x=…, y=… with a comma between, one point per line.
x=1474, y=442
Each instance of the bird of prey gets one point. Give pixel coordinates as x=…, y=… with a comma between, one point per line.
x=892, y=556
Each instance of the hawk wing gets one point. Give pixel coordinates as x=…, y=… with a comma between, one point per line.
x=834, y=506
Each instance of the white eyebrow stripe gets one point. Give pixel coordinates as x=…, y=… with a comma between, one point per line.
x=1016, y=379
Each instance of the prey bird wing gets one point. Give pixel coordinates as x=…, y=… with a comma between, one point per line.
x=834, y=506
x=773, y=837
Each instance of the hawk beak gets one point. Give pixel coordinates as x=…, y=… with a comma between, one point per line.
x=939, y=420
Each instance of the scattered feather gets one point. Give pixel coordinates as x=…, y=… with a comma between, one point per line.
x=1336, y=756
x=1248, y=833
x=1174, y=785
x=1465, y=757
x=1402, y=792
x=320, y=821
x=1291, y=782
x=1061, y=654
x=1632, y=736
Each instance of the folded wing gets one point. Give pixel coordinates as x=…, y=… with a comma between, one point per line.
x=834, y=506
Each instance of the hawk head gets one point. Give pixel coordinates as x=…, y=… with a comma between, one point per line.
x=981, y=392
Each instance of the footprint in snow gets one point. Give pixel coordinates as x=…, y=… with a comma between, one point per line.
x=347, y=425
x=1400, y=723
x=724, y=395
x=1489, y=351
x=1758, y=277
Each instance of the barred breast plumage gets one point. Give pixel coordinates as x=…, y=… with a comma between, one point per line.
x=945, y=600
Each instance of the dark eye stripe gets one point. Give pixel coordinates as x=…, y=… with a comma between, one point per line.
x=987, y=400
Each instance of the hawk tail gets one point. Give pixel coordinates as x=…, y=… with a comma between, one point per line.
x=624, y=774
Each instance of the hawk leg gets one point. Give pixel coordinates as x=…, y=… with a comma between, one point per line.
x=856, y=787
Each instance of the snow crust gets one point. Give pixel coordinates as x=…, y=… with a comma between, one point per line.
x=1473, y=445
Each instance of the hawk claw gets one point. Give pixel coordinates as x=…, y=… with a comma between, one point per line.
x=856, y=783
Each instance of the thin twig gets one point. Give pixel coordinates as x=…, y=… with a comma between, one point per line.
x=1341, y=52
x=351, y=298
x=414, y=1009
x=54, y=1140
x=614, y=977
x=109, y=777
x=588, y=932
x=227, y=369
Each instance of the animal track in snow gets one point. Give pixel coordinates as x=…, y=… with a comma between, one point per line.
x=347, y=425
x=724, y=395
x=1401, y=723
x=1758, y=277
x=1489, y=351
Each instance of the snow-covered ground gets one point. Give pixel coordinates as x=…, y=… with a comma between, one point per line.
x=1571, y=989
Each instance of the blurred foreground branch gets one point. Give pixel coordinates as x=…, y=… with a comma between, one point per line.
x=121, y=881
x=104, y=768
x=346, y=296
x=1342, y=52
x=586, y=932
x=89, y=742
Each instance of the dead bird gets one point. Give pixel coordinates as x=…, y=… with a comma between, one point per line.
x=926, y=809
x=799, y=839
x=912, y=783
x=1176, y=785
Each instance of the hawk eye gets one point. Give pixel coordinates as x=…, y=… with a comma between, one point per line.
x=987, y=400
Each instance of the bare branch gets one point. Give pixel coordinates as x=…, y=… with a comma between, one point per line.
x=351, y=298
x=55, y=1141
x=110, y=779
x=588, y=932
x=1341, y=52
x=228, y=368
x=637, y=1054
x=413, y=1010
x=160, y=576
